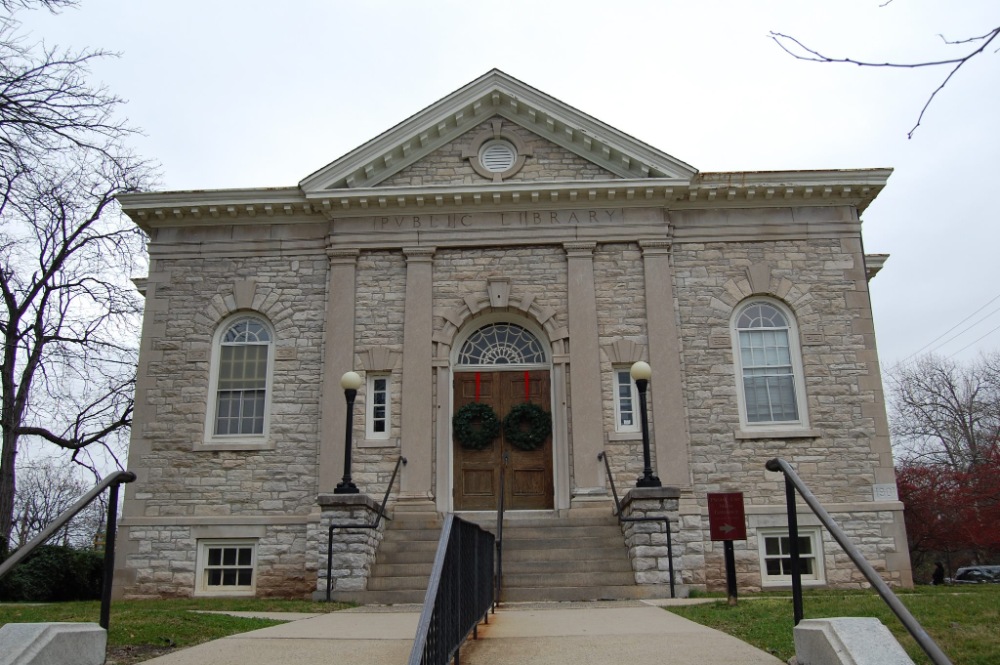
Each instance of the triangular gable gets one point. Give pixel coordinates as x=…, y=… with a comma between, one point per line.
x=495, y=94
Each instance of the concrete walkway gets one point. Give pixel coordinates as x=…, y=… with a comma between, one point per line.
x=634, y=632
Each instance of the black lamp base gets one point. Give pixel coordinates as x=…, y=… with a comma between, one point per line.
x=349, y=488
x=648, y=481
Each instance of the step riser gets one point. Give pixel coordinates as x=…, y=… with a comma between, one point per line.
x=559, y=543
x=582, y=557
x=598, y=567
x=567, y=579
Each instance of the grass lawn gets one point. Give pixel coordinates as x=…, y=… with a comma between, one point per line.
x=962, y=620
x=144, y=629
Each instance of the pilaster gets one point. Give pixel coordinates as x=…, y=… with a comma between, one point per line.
x=585, y=370
x=417, y=382
x=338, y=357
x=669, y=434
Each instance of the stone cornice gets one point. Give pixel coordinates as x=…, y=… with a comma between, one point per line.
x=755, y=189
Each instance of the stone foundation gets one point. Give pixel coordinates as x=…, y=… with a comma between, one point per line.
x=353, y=549
x=647, y=540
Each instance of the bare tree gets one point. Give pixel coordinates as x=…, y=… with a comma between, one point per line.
x=973, y=46
x=943, y=413
x=46, y=489
x=69, y=318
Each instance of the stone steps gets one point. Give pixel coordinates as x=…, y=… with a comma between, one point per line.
x=546, y=557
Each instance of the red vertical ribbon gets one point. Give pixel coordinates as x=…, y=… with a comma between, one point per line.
x=477, y=386
x=527, y=387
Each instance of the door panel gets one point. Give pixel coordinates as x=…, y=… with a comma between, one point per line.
x=528, y=483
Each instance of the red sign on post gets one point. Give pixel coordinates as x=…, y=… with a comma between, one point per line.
x=726, y=519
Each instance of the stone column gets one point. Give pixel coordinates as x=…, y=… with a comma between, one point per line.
x=417, y=383
x=585, y=371
x=669, y=431
x=338, y=357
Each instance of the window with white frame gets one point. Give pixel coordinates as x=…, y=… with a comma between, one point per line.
x=626, y=401
x=378, y=415
x=227, y=567
x=242, y=374
x=769, y=366
x=775, y=547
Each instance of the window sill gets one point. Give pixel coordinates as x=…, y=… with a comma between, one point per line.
x=378, y=443
x=777, y=434
x=624, y=436
x=235, y=443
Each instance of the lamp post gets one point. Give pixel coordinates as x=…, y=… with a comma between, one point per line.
x=350, y=382
x=640, y=373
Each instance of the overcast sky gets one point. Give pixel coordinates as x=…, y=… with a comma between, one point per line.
x=240, y=93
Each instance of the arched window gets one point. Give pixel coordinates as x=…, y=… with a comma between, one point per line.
x=242, y=371
x=768, y=364
x=502, y=344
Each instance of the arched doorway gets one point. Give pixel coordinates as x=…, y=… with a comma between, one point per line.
x=502, y=364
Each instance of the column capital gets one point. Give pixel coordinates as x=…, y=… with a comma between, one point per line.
x=656, y=247
x=579, y=250
x=419, y=254
x=342, y=256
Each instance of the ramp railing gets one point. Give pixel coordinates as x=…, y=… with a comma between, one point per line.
x=499, y=543
x=113, y=481
x=792, y=484
x=459, y=593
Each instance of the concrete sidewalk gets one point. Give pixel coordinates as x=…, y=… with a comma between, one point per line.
x=636, y=632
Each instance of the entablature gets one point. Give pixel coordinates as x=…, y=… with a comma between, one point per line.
x=856, y=188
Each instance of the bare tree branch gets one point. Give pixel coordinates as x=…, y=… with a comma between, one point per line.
x=69, y=315
x=800, y=51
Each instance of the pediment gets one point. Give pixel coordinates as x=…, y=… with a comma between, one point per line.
x=495, y=96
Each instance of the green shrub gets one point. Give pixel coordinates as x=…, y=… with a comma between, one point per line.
x=55, y=573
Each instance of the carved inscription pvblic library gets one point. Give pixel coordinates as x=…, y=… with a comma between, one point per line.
x=520, y=218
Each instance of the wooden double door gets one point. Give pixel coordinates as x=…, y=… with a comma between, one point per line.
x=528, y=477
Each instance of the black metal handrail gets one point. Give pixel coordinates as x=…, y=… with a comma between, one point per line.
x=459, y=593
x=792, y=484
x=112, y=481
x=499, y=543
x=372, y=525
x=602, y=456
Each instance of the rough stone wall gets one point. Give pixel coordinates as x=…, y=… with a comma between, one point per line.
x=647, y=541
x=165, y=562
x=184, y=481
x=865, y=529
x=620, y=290
x=380, y=284
x=535, y=271
x=549, y=162
x=818, y=279
x=814, y=278
x=353, y=550
x=182, y=478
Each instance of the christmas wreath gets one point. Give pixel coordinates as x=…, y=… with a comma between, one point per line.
x=475, y=425
x=527, y=426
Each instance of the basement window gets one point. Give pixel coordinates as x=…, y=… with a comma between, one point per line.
x=227, y=567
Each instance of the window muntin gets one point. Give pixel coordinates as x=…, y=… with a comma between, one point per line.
x=502, y=344
x=227, y=567
x=766, y=347
x=776, y=561
x=241, y=384
x=626, y=401
x=378, y=414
